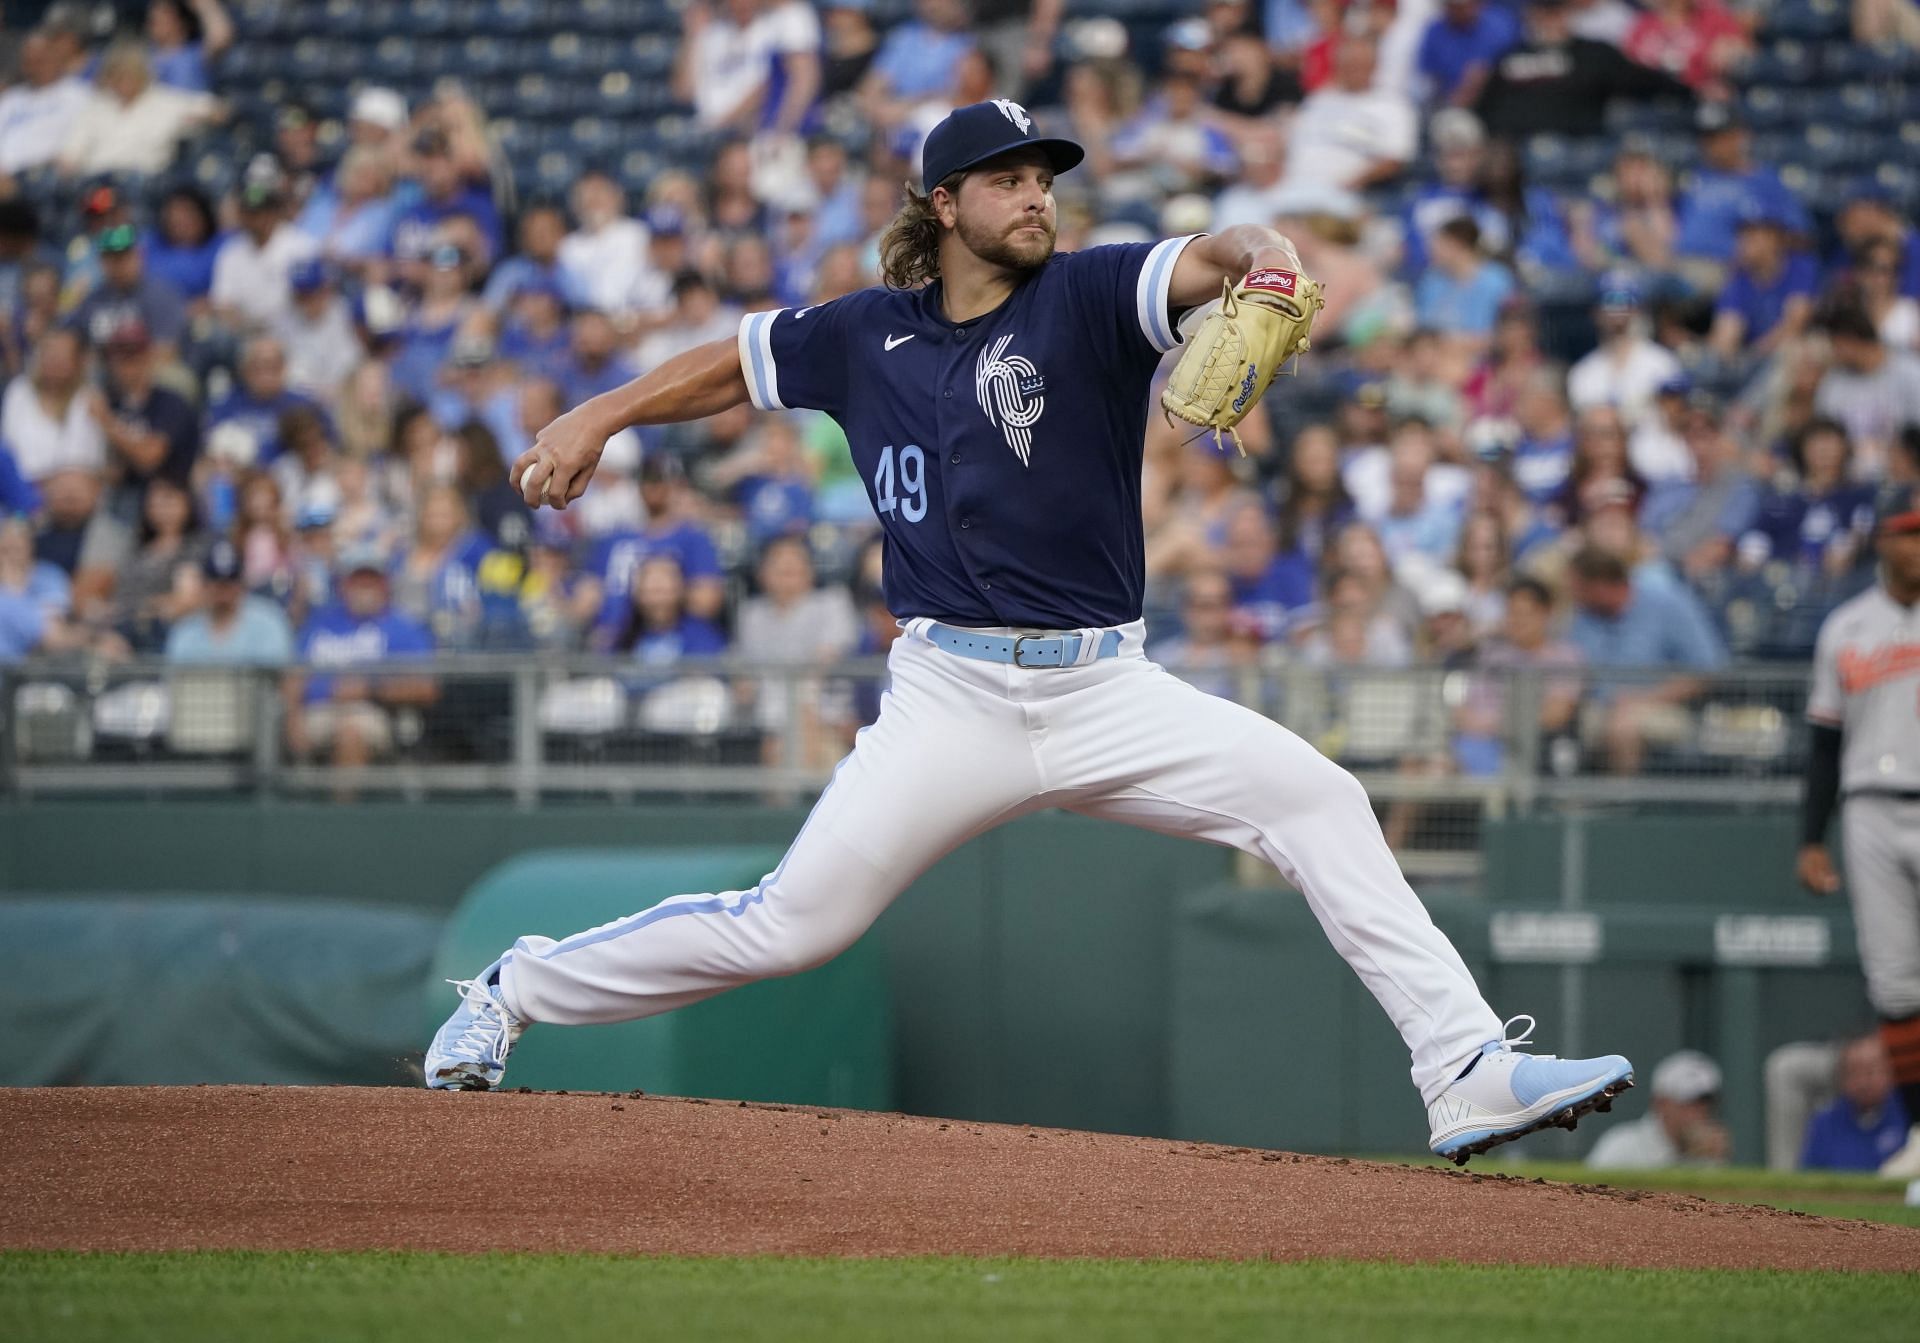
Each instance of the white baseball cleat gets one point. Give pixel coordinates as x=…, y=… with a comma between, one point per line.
x=1503, y=1095
x=1905, y=1163
x=469, y=1052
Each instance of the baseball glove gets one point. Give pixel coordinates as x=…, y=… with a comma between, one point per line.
x=1261, y=323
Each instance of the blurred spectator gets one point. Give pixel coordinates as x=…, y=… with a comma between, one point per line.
x=1205, y=653
x=1622, y=620
x=1255, y=196
x=1357, y=553
x=1525, y=643
x=229, y=626
x=184, y=244
x=1868, y=215
x=158, y=583
x=82, y=539
x=1419, y=522
x=1639, y=226
x=1459, y=48
x=434, y=581
x=916, y=60
x=1695, y=41
x=1681, y=1127
x=743, y=64
x=604, y=258
x=21, y=248
x=1268, y=586
x=651, y=623
x=1484, y=559
x=352, y=225
x=1726, y=187
x=794, y=623
x=671, y=530
x=1820, y=521
x=348, y=717
x=1460, y=293
x=1876, y=279
x=698, y=317
x=317, y=332
x=849, y=46
x=261, y=532
x=595, y=363
x=252, y=268
x=446, y=195
x=1173, y=145
x=38, y=114
x=1769, y=294
x=771, y=480
x=1866, y=1123
x=1658, y=446
x=1351, y=134
x=1314, y=503
x=33, y=598
x=430, y=338
x=1422, y=385
x=1556, y=82
x=1459, y=145
x=260, y=397
x=1350, y=630
x=47, y=416
x=1607, y=21
x=130, y=295
x=151, y=432
x=130, y=123
x=1536, y=237
x=305, y=468
x=1203, y=492
x=536, y=265
x=1513, y=362
x=186, y=36
x=1252, y=85
x=1872, y=391
x=1626, y=369
x=1697, y=520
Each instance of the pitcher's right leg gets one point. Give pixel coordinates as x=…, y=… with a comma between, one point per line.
x=947, y=759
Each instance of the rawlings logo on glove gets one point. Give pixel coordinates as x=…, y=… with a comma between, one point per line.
x=1261, y=323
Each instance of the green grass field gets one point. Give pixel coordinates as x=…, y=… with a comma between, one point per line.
x=1827, y=1193
x=279, y=1298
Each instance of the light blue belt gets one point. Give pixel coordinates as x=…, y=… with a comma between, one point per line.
x=1022, y=650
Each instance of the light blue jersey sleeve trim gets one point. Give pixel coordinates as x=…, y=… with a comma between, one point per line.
x=1150, y=299
x=756, y=359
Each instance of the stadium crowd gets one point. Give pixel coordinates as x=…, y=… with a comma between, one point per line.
x=1635, y=424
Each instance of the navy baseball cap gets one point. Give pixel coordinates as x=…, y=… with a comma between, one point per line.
x=222, y=563
x=971, y=135
x=1897, y=509
x=307, y=275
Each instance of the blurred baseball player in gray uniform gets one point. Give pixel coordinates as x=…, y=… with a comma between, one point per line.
x=1865, y=713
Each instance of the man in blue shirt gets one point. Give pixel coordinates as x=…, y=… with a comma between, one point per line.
x=1460, y=47
x=1769, y=295
x=1728, y=185
x=233, y=628
x=994, y=396
x=351, y=717
x=669, y=530
x=918, y=58
x=444, y=195
x=1625, y=622
x=1866, y=1123
x=261, y=397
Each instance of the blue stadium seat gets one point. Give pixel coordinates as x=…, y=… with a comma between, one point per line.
x=1812, y=20
x=1783, y=62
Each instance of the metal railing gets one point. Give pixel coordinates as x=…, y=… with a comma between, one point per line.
x=1438, y=749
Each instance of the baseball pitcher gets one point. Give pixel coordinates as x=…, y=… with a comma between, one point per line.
x=994, y=395
x=1864, y=712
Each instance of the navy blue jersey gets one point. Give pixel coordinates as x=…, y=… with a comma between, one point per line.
x=1002, y=455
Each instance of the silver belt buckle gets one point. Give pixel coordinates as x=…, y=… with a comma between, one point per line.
x=1019, y=639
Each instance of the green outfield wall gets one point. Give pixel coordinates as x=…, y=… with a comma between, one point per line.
x=1057, y=971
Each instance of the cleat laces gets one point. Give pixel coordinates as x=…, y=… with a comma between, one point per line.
x=489, y=1032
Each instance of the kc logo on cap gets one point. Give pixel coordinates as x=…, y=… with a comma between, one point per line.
x=1015, y=113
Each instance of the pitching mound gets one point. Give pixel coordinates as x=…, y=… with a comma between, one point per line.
x=168, y=1168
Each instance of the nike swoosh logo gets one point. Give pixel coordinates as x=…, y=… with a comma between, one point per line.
x=803, y=312
x=897, y=340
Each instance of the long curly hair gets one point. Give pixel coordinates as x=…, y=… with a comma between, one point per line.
x=910, y=248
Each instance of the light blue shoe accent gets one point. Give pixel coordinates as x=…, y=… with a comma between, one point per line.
x=1618, y=1070
x=1537, y=1076
x=469, y=1051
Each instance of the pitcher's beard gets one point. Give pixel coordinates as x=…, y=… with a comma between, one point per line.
x=1017, y=251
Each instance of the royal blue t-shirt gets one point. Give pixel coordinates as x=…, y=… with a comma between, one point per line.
x=260, y=416
x=1002, y=454
x=774, y=506
x=1801, y=528
x=1761, y=303
x=1837, y=1141
x=1711, y=207
x=1448, y=52
x=334, y=637
x=1284, y=587
x=417, y=228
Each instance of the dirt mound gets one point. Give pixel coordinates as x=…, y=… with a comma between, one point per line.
x=167, y=1168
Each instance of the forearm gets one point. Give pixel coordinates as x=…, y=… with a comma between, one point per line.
x=704, y=381
x=1822, y=792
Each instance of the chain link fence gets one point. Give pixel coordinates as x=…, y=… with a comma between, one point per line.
x=1439, y=749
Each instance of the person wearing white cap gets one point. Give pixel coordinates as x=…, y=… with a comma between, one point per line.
x=1681, y=1127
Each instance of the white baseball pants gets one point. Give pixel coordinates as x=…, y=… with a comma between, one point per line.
x=961, y=746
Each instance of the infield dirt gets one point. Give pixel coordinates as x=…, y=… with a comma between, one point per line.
x=170, y=1168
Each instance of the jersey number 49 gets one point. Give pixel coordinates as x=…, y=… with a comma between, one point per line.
x=912, y=499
